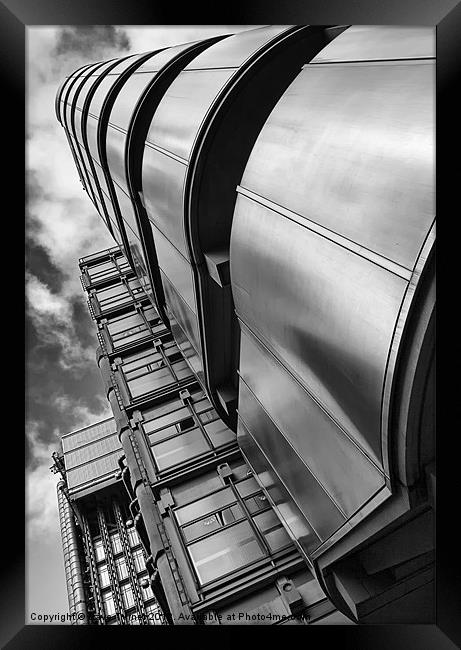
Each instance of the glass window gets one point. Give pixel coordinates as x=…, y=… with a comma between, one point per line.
x=273, y=531
x=202, y=527
x=108, y=602
x=138, y=559
x=103, y=574
x=210, y=503
x=196, y=488
x=139, y=359
x=125, y=326
x=130, y=336
x=133, y=536
x=122, y=569
x=248, y=486
x=149, y=382
x=212, y=522
x=256, y=503
x=110, y=292
x=224, y=552
x=101, y=269
x=219, y=433
x=182, y=370
x=99, y=550
x=167, y=432
x=116, y=543
x=168, y=418
x=179, y=449
x=208, y=416
x=219, y=534
x=127, y=595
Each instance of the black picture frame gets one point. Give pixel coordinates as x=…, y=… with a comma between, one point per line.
x=445, y=15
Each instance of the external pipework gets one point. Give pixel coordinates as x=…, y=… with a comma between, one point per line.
x=72, y=563
x=163, y=584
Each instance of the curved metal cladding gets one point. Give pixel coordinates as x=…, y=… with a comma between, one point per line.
x=194, y=154
x=89, y=105
x=77, y=115
x=73, y=118
x=97, y=110
x=61, y=112
x=120, y=122
x=71, y=115
x=330, y=248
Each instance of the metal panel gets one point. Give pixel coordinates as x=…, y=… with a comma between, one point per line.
x=351, y=148
x=327, y=313
x=288, y=512
x=334, y=208
x=96, y=72
x=163, y=181
x=127, y=98
x=197, y=145
x=182, y=109
x=100, y=94
x=157, y=62
x=330, y=457
x=88, y=434
x=234, y=50
x=370, y=42
x=115, y=152
x=176, y=267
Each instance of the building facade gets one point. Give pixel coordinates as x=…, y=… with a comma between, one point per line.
x=162, y=520
x=271, y=195
x=104, y=559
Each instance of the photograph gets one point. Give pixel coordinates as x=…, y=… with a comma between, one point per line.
x=230, y=328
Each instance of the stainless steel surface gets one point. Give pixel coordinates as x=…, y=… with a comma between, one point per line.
x=179, y=310
x=325, y=312
x=195, y=151
x=372, y=42
x=73, y=118
x=176, y=267
x=163, y=182
x=92, y=124
x=335, y=204
x=181, y=111
x=281, y=499
x=127, y=129
x=330, y=249
x=234, y=50
x=305, y=431
x=164, y=57
x=351, y=147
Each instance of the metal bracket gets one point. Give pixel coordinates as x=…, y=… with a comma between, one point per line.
x=290, y=595
x=184, y=395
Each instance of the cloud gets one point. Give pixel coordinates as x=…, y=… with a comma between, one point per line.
x=62, y=226
x=146, y=38
x=41, y=502
x=52, y=317
x=91, y=41
x=81, y=414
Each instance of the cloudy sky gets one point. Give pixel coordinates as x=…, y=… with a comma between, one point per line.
x=63, y=387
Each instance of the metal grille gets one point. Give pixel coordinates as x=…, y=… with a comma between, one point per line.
x=119, y=606
x=91, y=561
